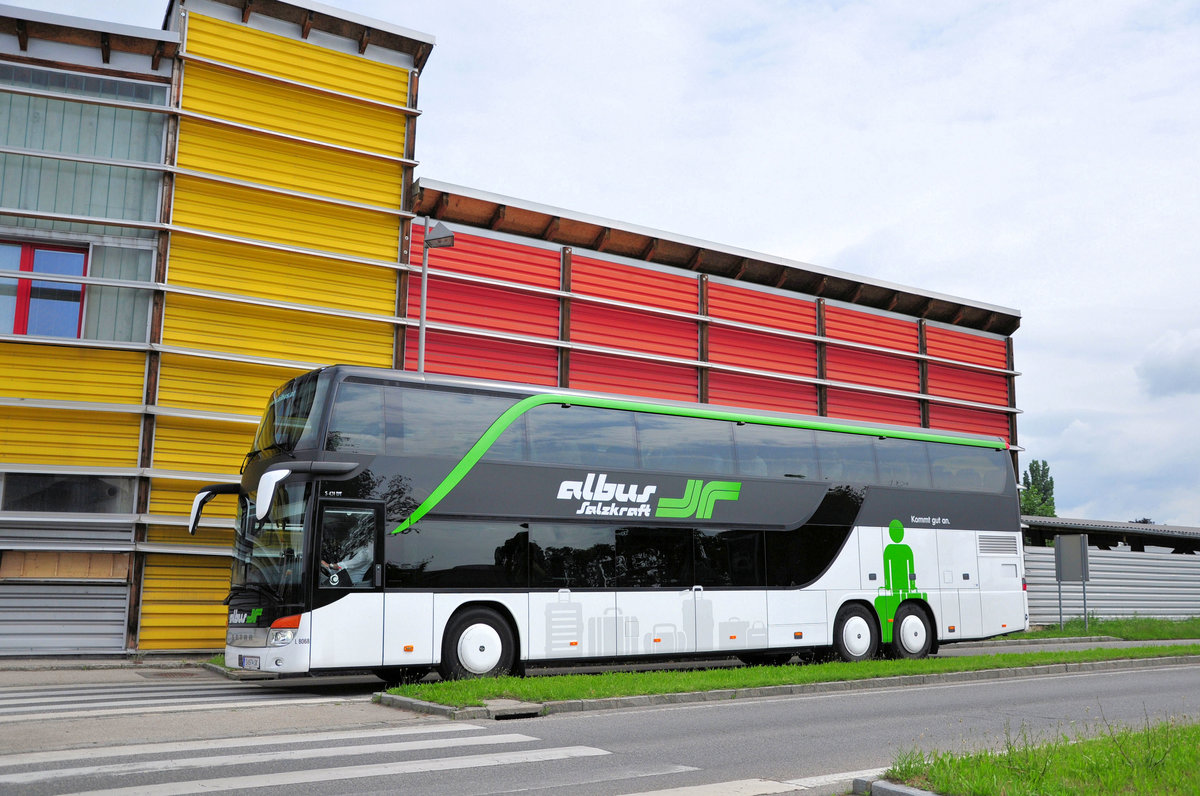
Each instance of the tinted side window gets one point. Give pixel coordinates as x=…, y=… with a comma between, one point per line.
x=847, y=458
x=797, y=558
x=459, y=555
x=582, y=436
x=572, y=556
x=685, y=444
x=968, y=469
x=439, y=422
x=654, y=557
x=356, y=424
x=902, y=462
x=775, y=451
x=730, y=558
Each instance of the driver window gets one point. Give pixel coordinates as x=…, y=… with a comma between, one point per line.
x=347, y=548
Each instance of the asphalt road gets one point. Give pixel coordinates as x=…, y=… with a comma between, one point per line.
x=325, y=737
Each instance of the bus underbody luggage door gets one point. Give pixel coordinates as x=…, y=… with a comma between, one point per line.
x=347, y=617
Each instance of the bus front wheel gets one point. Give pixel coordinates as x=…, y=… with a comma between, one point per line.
x=478, y=643
x=911, y=635
x=855, y=636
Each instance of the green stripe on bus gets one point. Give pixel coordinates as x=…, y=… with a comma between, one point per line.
x=501, y=424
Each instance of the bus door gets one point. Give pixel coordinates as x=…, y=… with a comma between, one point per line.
x=962, y=606
x=347, y=617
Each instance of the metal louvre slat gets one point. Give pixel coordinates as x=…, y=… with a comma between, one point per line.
x=761, y=308
x=480, y=357
x=616, y=374
x=761, y=351
x=874, y=408
x=871, y=369
x=865, y=327
x=64, y=534
x=966, y=347
x=484, y=307
x=634, y=331
x=488, y=257
x=759, y=392
x=607, y=279
x=968, y=385
x=1122, y=584
x=72, y=374
x=54, y=618
x=972, y=421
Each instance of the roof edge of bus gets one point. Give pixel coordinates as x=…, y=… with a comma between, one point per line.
x=410, y=376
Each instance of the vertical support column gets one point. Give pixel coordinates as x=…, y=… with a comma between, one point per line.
x=922, y=374
x=702, y=339
x=1012, y=402
x=564, y=317
x=407, y=202
x=822, y=390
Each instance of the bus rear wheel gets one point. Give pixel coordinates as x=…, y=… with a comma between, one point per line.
x=911, y=635
x=855, y=636
x=477, y=643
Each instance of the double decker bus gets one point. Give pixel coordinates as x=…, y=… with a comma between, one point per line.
x=400, y=522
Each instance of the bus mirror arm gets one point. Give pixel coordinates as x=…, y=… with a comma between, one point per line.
x=203, y=496
x=278, y=472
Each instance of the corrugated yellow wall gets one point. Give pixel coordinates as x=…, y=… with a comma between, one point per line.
x=65, y=437
x=208, y=324
x=218, y=385
x=63, y=373
x=204, y=446
x=229, y=267
x=210, y=537
x=307, y=223
x=181, y=602
x=171, y=496
x=292, y=59
x=244, y=155
x=293, y=110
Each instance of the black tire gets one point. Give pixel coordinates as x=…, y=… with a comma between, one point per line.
x=478, y=643
x=765, y=658
x=855, y=633
x=399, y=675
x=911, y=633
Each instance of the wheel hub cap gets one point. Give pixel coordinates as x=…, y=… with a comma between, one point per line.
x=479, y=648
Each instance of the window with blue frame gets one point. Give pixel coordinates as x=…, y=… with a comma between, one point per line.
x=41, y=307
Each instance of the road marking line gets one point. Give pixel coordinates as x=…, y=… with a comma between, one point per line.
x=116, y=696
x=174, y=747
x=740, y=787
x=352, y=772
x=270, y=703
x=178, y=764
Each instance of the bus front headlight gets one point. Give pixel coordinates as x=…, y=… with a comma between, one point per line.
x=280, y=637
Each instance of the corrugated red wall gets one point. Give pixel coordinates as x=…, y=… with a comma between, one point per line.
x=638, y=330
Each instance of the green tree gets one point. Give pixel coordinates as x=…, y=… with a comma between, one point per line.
x=1037, y=497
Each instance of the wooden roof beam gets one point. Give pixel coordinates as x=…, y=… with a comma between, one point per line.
x=105, y=48
x=306, y=26
x=602, y=240
x=22, y=35
x=364, y=41
x=550, y=232
x=650, y=250
x=697, y=259
x=742, y=265
x=247, y=7
x=156, y=59
x=498, y=216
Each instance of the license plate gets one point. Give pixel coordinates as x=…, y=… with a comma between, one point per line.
x=247, y=661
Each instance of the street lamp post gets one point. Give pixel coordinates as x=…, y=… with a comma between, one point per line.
x=437, y=238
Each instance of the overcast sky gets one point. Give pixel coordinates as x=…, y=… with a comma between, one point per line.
x=1043, y=156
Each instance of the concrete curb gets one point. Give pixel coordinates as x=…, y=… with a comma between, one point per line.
x=874, y=786
x=507, y=709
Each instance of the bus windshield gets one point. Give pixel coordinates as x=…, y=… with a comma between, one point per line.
x=292, y=417
x=268, y=554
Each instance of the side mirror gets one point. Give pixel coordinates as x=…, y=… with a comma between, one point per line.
x=203, y=496
x=266, y=491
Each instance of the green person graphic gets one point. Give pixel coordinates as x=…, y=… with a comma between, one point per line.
x=899, y=580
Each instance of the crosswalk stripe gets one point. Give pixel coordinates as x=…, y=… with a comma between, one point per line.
x=178, y=764
x=67, y=700
x=177, y=747
x=88, y=713
x=117, y=688
x=352, y=772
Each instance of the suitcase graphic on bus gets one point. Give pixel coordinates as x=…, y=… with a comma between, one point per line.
x=664, y=638
x=602, y=632
x=564, y=627
x=757, y=636
x=732, y=634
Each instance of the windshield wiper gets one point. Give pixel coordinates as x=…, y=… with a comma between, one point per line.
x=261, y=588
x=274, y=446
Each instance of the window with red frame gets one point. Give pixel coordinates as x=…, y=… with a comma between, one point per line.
x=38, y=307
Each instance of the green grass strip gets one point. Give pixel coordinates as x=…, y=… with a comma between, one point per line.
x=461, y=693
x=1134, y=628
x=1157, y=758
